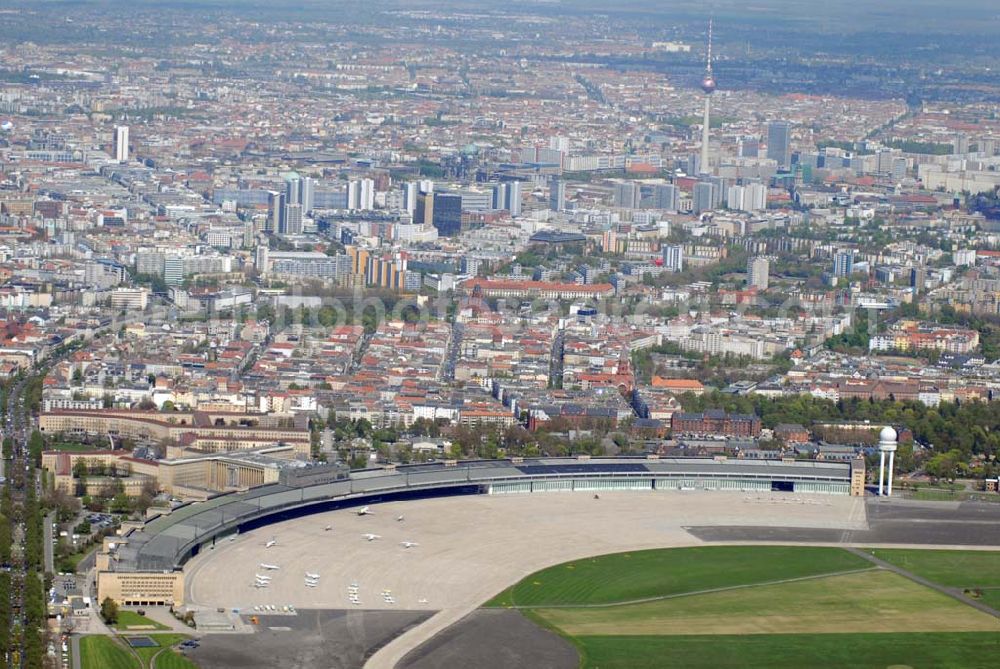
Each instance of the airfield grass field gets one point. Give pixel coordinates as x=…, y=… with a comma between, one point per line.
x=623, y=577
x=975, y=572
x=756, y=606
x=968, y=650
x=872, y=601
x=956, y=569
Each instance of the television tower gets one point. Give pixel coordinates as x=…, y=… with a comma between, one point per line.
x=708, y=86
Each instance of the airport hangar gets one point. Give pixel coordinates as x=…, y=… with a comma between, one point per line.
x=144, y=566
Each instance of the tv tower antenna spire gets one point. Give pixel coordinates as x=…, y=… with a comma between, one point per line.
x=708, y=86
x=708, y=63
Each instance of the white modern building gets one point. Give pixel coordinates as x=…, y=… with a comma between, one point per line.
x=121, y=143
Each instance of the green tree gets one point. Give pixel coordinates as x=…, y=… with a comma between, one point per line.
x=109, y=611
x=36, y=444
x=120, y=503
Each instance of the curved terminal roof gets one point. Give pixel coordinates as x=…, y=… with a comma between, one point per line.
x=167, y=541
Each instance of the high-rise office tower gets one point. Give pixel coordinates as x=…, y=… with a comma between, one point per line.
x=736, y=198
x=755, y=197
x=514, y=198
x=703, y=196
x=293, y=190
x=308, y=194
x=719, y=191
x=666, y=196
x=276, y=212
x=557, y=195
x=367, y=195
x=353, y=195
x=361, y=194
x=757, y=272
x=423, y=211
x=121, y=143
x=708, y=86
x=627, y=195
x=507, y=196
x=410, y=192
x=779, y=143
x=292, y=223
x=499, y=196
x=447, y=213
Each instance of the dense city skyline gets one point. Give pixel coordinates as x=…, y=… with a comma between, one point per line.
x=309, y=309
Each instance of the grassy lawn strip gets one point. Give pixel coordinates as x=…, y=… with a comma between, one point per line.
x=655, y=573
x=873, y=601
x=102, y=652
x=956, y=569
x=991, y=598
x=130, y=620
x=172, y=660
x=165, y=641
x=969, y=650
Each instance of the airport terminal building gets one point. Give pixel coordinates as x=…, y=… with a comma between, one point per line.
x=144, y=566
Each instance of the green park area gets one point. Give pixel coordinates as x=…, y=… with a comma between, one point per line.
x=104, y=652
x=764, y=606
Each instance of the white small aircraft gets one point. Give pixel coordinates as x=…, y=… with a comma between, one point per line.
x=311, y=584
x=328, y=528
x=272, y=542
x=371, y=537
x=364, y=511
x=269, y=566
x=399, y=518
x=408, y=544
x=260, y=584
x=261, y=577
x=314, y=577
x=422, y=600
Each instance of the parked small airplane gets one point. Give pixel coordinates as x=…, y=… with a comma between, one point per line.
x=269, y=566
x=261, y=577
x=408, y=544
x=314, y=577
x=272, y=542
x=364, y=511
x=371, y=537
